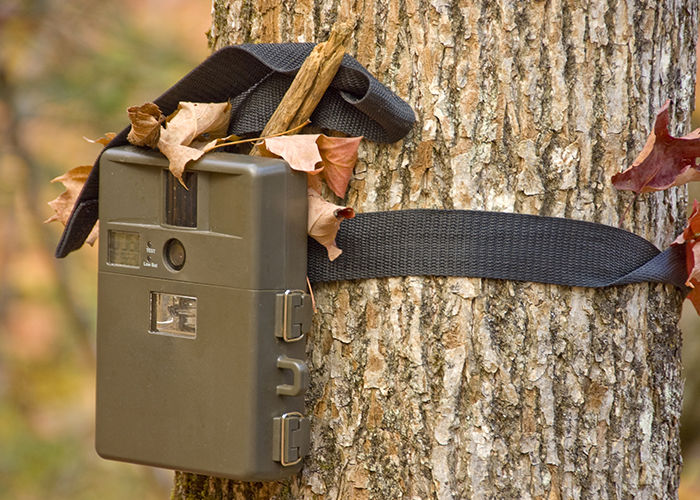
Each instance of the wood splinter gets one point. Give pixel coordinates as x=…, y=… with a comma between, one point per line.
x=309, y=85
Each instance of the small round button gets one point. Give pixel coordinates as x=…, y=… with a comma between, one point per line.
x=174, y=254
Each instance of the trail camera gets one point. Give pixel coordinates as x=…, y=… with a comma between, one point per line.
x=201, y=315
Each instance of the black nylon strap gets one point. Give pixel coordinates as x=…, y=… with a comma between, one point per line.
x=495, y=245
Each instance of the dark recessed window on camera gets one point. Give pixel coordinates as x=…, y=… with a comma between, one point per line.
x=181, y=203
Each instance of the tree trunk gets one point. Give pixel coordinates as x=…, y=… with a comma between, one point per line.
x=433, y=387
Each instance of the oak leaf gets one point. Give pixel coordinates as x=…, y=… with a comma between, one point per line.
x=324, y=222
x=146, y=123
x=73, y=180
x=189, y=130
x=690, y=237
x=665, y=161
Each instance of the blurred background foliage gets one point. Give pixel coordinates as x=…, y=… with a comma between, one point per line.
x=68, y=69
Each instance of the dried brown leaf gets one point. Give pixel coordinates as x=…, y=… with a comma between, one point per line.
x=73, y=180
x=339, y=156
x=182, y=139
x=146, y=123
x=193, y=119
x=324, y=222
x=178, y=156
x=665, y=161
x=300, y=151
x=692, y=229
x=314, y=182
x=690, y=238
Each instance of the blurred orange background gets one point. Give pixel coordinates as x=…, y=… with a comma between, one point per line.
x=68, y=69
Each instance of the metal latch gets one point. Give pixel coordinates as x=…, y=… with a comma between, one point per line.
x=293, y=315
x=291, y=436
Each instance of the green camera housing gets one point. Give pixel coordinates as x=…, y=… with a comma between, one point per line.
x=201, y=315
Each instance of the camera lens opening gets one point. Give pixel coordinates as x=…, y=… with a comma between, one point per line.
x=174, y=254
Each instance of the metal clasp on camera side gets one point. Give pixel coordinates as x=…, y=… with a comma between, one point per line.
x=290, y=438
x=293, y=315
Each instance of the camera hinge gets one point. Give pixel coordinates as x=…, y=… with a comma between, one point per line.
x=293, y=315
x=291, y=436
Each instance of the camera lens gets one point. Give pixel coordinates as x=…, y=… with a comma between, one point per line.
x=174, y=254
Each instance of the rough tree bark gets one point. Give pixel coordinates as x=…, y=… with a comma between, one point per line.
x=465, y=388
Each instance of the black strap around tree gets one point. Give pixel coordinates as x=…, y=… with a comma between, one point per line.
x=495, y=245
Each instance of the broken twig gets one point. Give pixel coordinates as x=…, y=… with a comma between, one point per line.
x=309, y=85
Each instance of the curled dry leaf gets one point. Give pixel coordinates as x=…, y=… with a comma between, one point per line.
x=194, y=119
x=324, y=222
x=337, y=156
x=181, y=140
x=146, y=123
x=73, y=180
x=690, y=237
x=179, y=155
x=102, y=140
x=665, y=161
